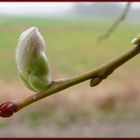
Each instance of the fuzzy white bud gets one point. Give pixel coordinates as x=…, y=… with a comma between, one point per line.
x=31, y=60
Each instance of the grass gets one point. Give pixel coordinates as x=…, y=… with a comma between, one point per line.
x=71, y=43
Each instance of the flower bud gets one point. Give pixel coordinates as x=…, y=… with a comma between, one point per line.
x=32, y=62
x=95, y=81
x=7, y=109
x=136, y=40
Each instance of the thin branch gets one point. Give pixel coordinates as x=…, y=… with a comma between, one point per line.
x=99, y=73
x=115, y=24
x=95, y=76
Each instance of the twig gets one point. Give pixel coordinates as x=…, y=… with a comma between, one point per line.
x=101, y=72
x=96, y=75
x=115, y=24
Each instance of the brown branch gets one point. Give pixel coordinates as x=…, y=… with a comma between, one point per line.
x=115, y=24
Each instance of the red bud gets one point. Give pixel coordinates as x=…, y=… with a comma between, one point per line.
x=7, y=109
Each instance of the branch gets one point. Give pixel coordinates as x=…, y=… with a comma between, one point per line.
x=96, y=75
x=115, y=24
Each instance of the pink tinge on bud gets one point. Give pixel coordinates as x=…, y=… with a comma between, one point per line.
x=7, y=109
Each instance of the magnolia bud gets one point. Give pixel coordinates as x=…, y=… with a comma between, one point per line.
x=32, y=62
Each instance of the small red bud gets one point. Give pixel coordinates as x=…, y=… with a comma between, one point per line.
x=7, y=109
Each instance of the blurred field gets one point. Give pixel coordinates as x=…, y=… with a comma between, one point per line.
x=109, y=110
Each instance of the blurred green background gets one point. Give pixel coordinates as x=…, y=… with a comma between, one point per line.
x=109, y=110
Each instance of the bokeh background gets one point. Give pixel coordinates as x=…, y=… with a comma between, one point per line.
x=112, y=109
